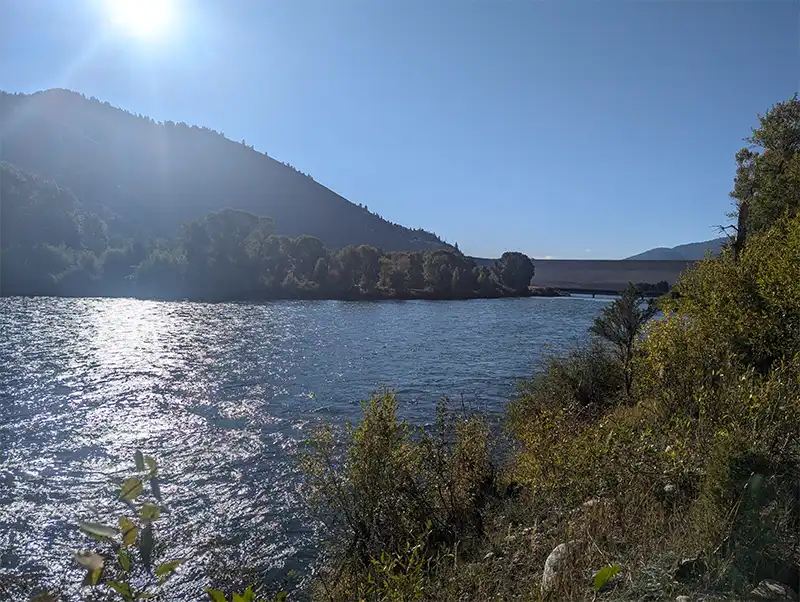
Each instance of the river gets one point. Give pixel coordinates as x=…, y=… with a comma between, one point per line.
x=221, y=395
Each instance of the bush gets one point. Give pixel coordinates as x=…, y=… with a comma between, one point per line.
x=161, y=274
x=728, y=315
x=584, y=383
x=705, y=461
x=391, y=490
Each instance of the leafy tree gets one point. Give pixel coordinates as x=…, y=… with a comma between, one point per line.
x=515, y=270
x=395, y=272
x=307, y=251
x=767, y=182
x=621, y=324
x=161, y=274
x=272, y=259
x=437, y=268
x=321, y=272
x=347, y=268
x=117, y=266
x=486, y=282
x=369, y=267
x=51, y=244
x=94, y=233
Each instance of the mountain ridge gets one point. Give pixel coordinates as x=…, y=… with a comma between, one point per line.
x=158, y=175
x=693, y=251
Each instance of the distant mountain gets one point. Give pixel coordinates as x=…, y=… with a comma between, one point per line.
x=688, y=252
x=151, y=177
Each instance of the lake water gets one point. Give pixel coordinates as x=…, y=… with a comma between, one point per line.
x=222, y=395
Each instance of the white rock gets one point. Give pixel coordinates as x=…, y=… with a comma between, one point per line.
x=773, y=590
x=553, y=566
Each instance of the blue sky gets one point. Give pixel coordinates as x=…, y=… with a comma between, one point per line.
x=566, y=129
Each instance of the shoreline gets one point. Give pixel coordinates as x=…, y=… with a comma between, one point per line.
x=310, y=296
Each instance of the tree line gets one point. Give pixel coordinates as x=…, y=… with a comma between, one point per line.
x=54, y=245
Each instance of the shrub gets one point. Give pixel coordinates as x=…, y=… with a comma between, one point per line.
x=583, y=383
x=728, y=315
x=390, y=488
x=620, y=324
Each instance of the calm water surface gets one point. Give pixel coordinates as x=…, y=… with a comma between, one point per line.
x=222, y=395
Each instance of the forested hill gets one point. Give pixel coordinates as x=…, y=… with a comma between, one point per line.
x=51, y=243
x=156, y=176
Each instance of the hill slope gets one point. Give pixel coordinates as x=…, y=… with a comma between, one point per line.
x=156, y=176
x=693, y=251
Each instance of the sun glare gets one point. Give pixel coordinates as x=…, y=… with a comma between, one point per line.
x=141, y=18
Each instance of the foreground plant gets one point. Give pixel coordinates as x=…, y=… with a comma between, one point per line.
x=125, y=560
x=397, y=501
x=248, y=595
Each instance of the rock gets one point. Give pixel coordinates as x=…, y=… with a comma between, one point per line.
x=597, y=505
x=669, y=489
x=683, y=599
x=773, y=590
x=554, y=566
x=690, y=568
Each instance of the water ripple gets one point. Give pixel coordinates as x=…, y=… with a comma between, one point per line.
x=221, y=394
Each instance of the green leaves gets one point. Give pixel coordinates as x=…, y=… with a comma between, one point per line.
x=123, y=589
x=98, y=531
x=94, y=578
x=168, y=567
x=246, y=596
x=146, y=545
x=139, y=460
x=152, y=466
x=149, y=513
x=129, y=531
x=604, y=575
x=155, y=488
x=216, y=595
x=134, y=530
x=131, y=489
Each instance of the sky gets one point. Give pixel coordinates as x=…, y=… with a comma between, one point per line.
x=562, y=129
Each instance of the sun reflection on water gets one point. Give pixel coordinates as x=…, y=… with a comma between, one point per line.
x=222, y=395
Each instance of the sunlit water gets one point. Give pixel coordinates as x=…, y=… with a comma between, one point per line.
x=223, y=395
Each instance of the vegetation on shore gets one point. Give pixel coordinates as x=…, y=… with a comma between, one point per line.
x=661, y=458
x=52, y=245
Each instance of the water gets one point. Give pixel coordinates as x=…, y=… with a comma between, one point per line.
x=222, y=395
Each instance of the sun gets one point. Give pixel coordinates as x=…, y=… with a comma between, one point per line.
x=141, y=18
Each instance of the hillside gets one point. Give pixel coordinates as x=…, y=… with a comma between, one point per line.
x=53, y=244
x=152, y=177
x=693, y=251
